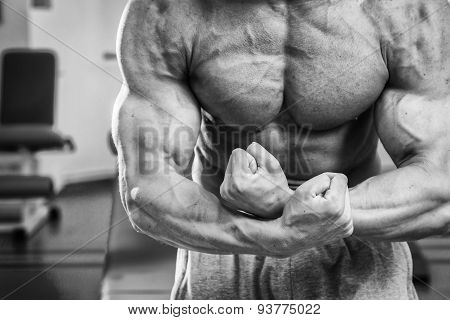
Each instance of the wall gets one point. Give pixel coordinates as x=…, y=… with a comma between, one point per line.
x=80, y=32
x=13, y=27
x=13, y=34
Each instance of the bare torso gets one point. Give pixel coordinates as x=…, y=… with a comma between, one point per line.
x=299, y=77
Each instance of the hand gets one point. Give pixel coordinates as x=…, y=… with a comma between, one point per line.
x=255, y=182
x=318, y=213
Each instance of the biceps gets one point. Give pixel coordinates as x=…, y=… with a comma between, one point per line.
x=412, y=125
x=151, y=133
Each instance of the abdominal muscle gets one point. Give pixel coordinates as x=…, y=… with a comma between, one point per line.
x=302, y=152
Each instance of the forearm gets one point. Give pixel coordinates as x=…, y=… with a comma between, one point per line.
x=406, y=204
x=180, y=212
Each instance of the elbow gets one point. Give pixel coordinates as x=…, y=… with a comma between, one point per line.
x=445, y=230
x=138, y=218
x=445, y=225
x=442, y=188
x=441, y=215
x=436, y=223
x=440, y=192
x=142, y=216
x=442, y=223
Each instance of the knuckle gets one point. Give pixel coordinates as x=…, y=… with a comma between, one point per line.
x=343, y=177
x=236, y=152
x=253, y=146
x=276, y=162
x=234, y=155
x=324, y=175
x=317, y=179
x=321, y=179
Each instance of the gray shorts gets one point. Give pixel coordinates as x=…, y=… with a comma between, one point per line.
x=346, y=269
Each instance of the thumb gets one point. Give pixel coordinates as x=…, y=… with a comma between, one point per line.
x=263, y=157
x=242, y=160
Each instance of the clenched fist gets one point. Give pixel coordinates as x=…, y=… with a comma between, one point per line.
x=319, y=212
x=255, y=183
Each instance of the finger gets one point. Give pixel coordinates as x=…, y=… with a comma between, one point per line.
x=338, y=187
x=253, y=165
x=348, y=208
x=317, y=185
x=263, y=157
x=241, y=160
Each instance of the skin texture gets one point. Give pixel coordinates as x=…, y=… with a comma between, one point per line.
x=312, y=82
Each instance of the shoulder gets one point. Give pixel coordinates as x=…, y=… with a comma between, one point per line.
x=415, y=39
x=157, y=35
x=176, y=15
x=399, y=17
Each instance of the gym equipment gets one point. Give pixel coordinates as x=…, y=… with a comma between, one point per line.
x=137, y=266
x=26, y=127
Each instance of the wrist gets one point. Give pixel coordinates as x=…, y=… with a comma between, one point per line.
x=276, y=207
x=285, y=196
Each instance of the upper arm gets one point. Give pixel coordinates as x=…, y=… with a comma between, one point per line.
x=412, y=115
x=156, y=117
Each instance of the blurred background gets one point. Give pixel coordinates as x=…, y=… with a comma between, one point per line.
x=82, y=34
x=63, y=232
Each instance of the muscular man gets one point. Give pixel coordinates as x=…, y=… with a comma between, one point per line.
x=242, y=124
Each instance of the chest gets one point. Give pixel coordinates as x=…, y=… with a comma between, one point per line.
x=321, y=65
